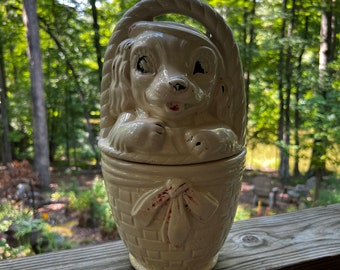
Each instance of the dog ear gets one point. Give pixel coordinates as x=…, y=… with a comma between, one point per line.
x=226, y=109
x=120, y=95
x=116, y=94
x=221, y=102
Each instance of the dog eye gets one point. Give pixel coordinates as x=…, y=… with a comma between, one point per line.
x=143, y=65
x=198, y=68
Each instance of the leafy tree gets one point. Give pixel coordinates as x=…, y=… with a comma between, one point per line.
x=324, y=92
x=286, y=36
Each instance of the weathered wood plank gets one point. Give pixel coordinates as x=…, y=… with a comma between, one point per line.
x=305, y=239
x=105, y=256
x=283, y=240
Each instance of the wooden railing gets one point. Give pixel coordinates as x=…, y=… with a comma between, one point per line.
x=306, y=239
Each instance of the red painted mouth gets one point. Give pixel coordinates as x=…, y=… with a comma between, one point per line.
x=174, y=106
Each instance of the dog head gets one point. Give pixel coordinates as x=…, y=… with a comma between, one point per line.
x=168, y=70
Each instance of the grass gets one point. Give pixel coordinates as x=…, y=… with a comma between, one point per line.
x=267, y=157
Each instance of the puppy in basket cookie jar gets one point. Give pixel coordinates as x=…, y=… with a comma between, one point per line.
x=169, y=95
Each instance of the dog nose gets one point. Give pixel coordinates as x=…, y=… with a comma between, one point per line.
x=178, y=84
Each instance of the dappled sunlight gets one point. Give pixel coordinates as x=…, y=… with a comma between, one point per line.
x=267, y=157
x=262, y=157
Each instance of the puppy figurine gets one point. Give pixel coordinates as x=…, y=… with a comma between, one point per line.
x=167, y=95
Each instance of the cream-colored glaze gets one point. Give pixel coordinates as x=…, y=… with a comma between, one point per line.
x=173, y=217
x=172, y=134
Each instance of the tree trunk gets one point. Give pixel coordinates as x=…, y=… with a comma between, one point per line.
x=318, y=177
x=40, y=136
x=68, y=120
x=6, y=150
x=248, y=40
x=284, y=164
x=96, y=39
x=288, y=79
x=296, y=170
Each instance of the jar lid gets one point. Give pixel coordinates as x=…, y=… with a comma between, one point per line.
x=170, y=93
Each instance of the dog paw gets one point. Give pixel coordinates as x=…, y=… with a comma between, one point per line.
x=212, y=143
x=230, y=143
x=198, y=143
x=148, y=134
x=141, y=135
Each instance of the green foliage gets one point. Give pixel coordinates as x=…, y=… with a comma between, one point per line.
x=12, y=214
x=26, y=229
x=97, y=202
x=7, y=252
x=93, y=200
x=243, y=212
x=291, y=208
x=182, y=19
x=26, y=226
x=329, y=193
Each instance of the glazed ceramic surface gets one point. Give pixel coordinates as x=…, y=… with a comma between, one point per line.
x=172, y=134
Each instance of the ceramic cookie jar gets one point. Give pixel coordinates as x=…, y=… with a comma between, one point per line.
x=172, y=134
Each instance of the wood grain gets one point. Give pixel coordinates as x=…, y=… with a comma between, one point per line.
x=284, y=240
x=307, y=239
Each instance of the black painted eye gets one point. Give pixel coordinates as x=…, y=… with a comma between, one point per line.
x=143, y=64
x=198, y=68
